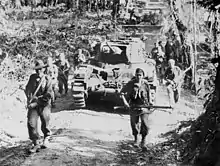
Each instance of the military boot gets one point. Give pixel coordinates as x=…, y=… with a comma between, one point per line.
x=136, y=141
x=143, y=143
x=35, y=147
x=45, y=142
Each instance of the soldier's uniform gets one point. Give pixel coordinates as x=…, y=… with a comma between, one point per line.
x=171, y=75
x=137, y=95
x=169, y=50
x=115, y=9
x=154, y=52
x=52, y=72
x=63, y=73
x=81, y=58
x=38, y=106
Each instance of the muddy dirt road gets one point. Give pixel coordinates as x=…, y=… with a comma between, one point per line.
x=97, y=136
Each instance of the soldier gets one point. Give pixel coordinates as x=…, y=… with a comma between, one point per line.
x=160, y=44
x=155, y=51
x=115, y=9
x=63, y=73
x=136, y=94
x=52, y=72
x=39, y=93
x=154, y=18
x=171, y=76
x=169, y=50
x=81, y=56
x=160, y=62
x=176, y=47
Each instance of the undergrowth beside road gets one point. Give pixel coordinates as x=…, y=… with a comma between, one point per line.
x=22, y=46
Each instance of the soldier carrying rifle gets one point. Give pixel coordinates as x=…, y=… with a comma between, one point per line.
x=39, y=93
x=136, y=94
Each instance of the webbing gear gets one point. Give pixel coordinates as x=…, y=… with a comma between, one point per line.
x=41, y=82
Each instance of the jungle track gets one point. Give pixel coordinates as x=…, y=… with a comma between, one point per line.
x=94, y=136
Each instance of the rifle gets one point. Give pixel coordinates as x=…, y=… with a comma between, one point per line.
x=34, y=95
x=142, y=106
x=145, y=106
x=148, y=106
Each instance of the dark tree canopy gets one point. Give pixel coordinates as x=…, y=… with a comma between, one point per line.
x=209, y=4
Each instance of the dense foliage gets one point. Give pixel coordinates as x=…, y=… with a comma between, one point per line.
x=209, y=4
x=38, y=42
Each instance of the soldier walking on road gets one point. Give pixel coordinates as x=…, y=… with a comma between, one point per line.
x=39, y=93
x=155, y=51
x=80, y=58
x=171, y=76
x=160, y=44
x=136, y=94
x=169, y=50
x=52, y=72
x=63, y=73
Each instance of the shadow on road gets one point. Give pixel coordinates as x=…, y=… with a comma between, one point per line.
x=86, y=147
x=106, y=107
x=67, y=147
x=14, y=156
x=66, y=103
x=154, y=155
x=76, y=147
x=63, y=103
x=112, y=152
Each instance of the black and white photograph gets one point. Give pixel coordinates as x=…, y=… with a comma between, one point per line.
x=109, y=83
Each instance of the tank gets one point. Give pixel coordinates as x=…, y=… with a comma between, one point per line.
x=103, y=76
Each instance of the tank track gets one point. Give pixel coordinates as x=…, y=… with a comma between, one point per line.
x=78, y=89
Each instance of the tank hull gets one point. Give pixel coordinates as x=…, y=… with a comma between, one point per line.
x=102, y=79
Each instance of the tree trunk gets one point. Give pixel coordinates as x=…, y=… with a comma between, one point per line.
x=16, y=4
x=194, y=58
x=215, y=29
x=182, y=31
x=207, y=140
x=89, y=5
x=77, y=4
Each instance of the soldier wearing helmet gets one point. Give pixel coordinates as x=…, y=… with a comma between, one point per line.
x=136, y=93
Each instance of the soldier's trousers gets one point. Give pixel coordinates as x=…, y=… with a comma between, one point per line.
x=53, y=95
x=32, y=122
x=63, y=81
x=170, y=94
x=135, y=116
x=54, y=83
